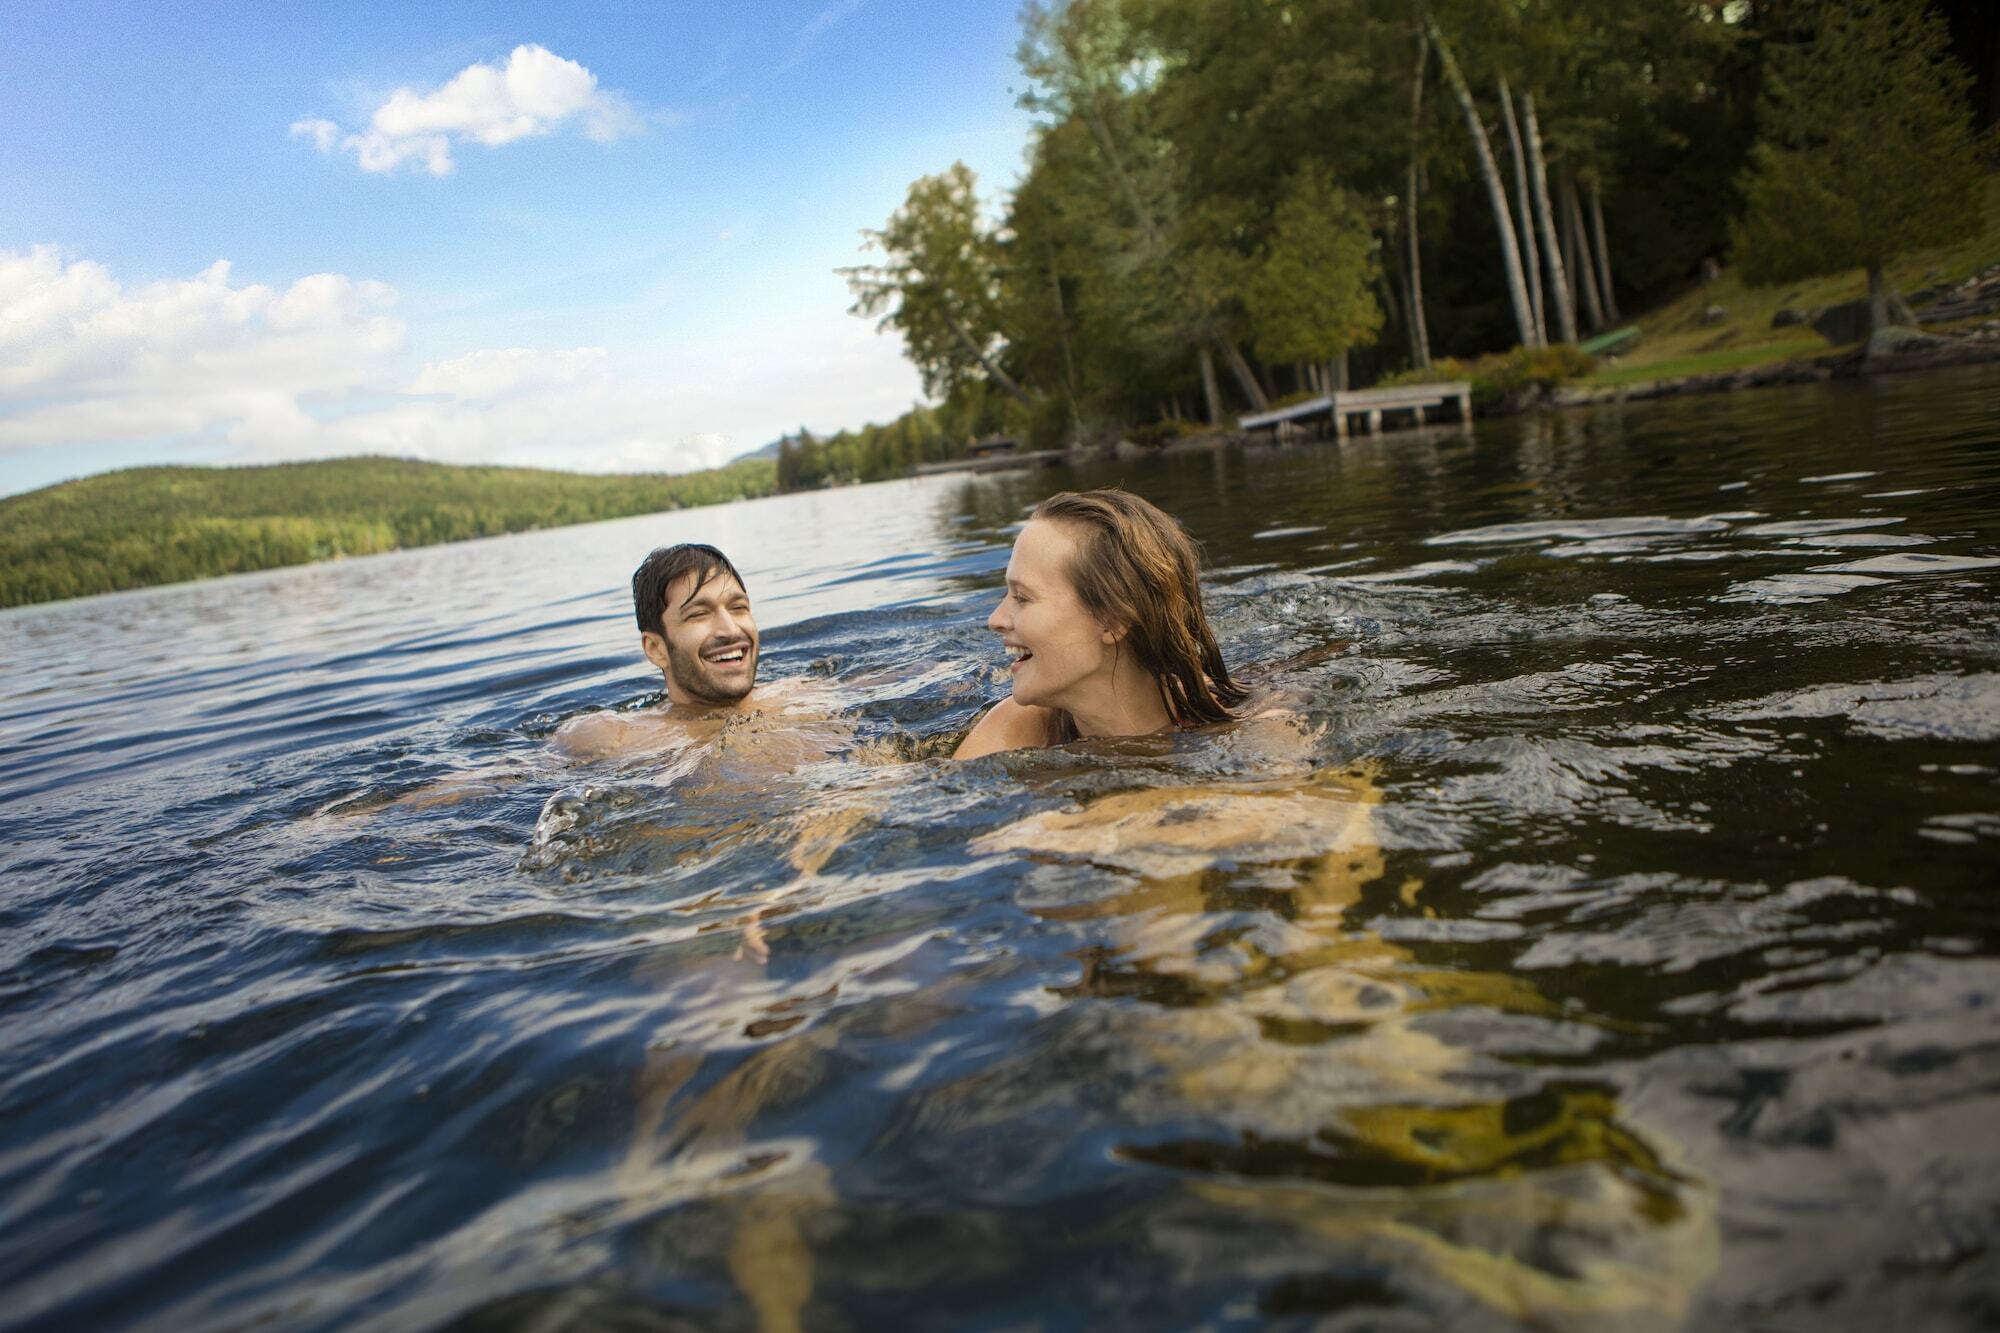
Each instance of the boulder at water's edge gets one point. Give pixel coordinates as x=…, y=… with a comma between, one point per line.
x=1844, y=323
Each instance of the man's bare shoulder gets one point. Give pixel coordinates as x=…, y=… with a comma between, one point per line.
x=1006, y=726
x=606, y=735
x=774, y=710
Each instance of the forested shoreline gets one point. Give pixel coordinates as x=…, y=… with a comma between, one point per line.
x=1226, y=204
x=1231, y=203
x=145, y=526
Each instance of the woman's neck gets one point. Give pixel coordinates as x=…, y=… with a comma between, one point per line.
x=1130, y=704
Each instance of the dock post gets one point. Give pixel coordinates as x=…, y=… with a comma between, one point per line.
x=1465, y=407
x=1374, y=421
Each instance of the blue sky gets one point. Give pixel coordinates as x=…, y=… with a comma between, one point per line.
x=589, y=236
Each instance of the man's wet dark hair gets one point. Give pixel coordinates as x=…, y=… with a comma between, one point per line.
x=657, y=572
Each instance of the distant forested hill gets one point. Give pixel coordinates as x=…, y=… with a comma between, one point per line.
x=769, y=451
x=145, y=526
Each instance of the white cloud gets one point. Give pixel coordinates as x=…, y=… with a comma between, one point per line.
x=324, y=133
x=82, y=359
x=498, y=372
x=220, y=372
x=535, y=93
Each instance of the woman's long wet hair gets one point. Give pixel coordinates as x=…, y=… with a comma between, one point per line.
x=1137, y=569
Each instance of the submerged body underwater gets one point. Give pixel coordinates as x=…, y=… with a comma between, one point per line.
x=1603, y=936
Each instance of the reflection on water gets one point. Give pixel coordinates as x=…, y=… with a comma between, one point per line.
x=1596, y=928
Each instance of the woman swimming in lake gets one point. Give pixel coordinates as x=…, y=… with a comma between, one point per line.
x=1103, y=616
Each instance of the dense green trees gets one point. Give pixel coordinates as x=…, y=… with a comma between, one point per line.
x=1866, y=148
x=877, y=453
x=1311, y=294
x=938, y=285
x=1487, y=173
x=146, y=526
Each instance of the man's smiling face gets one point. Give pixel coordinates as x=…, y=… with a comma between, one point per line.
x=709, y=650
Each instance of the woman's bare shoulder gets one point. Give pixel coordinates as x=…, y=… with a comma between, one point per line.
x=1006, y=726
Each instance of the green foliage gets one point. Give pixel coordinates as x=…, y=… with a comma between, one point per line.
x=1866, y=148
x=1154, y=434
x=1681, y=338
x=146, y=526
x=937, y=286
x=1311, y=296
x=1147, y=280
x=1501, y=376
x=1044, y=422
x=1087, y=304
x=1178, y=204
x=877, y=453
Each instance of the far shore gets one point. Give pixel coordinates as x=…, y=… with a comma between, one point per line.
x=1922, y=354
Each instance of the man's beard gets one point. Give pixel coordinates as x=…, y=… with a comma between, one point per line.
x=695, y=680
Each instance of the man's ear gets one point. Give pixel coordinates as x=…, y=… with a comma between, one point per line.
x=1114, y=633
x=655, y=648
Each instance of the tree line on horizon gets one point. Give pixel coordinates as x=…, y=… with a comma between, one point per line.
x=872, y=453
x=140, y=527
x=1227, y=203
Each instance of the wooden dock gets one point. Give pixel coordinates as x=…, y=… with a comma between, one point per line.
x=995, y=462
x=1372, y=408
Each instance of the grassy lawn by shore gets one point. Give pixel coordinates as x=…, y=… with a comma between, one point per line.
x=1634, y=369
x=1677, y=342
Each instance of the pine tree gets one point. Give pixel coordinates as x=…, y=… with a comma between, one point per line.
x=1312, y=296
x=1866, y=149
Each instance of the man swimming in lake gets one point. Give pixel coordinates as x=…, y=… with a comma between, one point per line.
x=696, y=626
x=717, y=728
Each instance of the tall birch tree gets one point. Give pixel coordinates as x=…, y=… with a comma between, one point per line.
x=1489, y=175
x=1531, y=262
x=1538, y=173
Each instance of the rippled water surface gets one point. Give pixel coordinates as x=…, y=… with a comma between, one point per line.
x=1610, y=939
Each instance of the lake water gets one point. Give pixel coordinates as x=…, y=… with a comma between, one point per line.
x=1619, y=949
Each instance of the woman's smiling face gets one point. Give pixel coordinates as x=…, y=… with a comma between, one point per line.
x=1061, y=651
